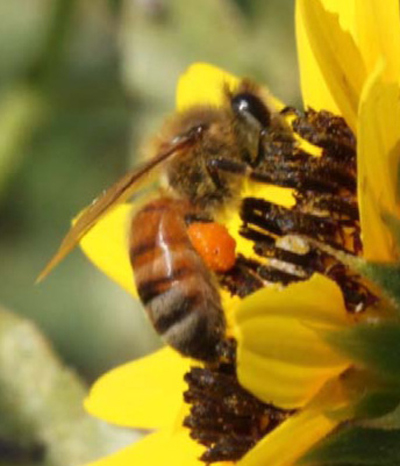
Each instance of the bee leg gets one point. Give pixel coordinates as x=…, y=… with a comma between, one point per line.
x=291, y=111
x=213, y=169
x=260, y=149
x=280, y=178
x=227, y=165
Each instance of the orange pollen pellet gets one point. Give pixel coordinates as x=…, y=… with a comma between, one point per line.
x=214, y=245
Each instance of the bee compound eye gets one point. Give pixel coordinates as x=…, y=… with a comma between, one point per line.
x=249, y=103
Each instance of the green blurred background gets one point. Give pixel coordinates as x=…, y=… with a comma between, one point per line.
x=83, y=83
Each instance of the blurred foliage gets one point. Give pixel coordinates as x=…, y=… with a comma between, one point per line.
x=82, y=85
x=41, y=404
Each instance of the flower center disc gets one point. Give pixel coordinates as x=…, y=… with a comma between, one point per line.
x=289, y=246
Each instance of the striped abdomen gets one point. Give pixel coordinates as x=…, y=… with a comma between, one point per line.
x=173, y=282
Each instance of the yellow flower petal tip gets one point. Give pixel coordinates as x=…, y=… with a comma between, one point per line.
x=106, y=245
x=203, y=84
x=132, y=395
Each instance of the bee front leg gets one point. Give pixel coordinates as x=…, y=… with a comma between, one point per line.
x=260, y=149
x=214, y=166
x=213, y=171
x=291, y=111
x=278, y=177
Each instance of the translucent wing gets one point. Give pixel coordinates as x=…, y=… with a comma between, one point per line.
x=119, y=192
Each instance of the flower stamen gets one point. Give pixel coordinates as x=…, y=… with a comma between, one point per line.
x=224, y=417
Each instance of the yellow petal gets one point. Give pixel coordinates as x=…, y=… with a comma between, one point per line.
x=146, y=393
x=377, y=28
x=325, y=46
x=378, y=163
x=314, y=90
x=281, y=358
x=346, y=12
x=164, y=448
x=203, y=84
x=285, y=385
x=294, y=437
x=106, y=245
x=302, y=349
x=317, y=299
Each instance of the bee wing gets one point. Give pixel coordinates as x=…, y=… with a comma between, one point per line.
x=117, y=193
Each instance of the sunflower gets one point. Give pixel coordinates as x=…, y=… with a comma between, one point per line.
x=314, y=355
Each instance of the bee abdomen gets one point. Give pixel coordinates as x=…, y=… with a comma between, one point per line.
x=173, y=283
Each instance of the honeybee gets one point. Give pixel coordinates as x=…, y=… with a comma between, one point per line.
x=205, y=154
